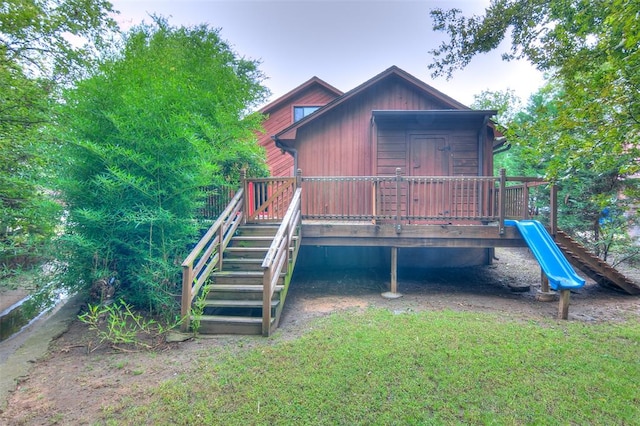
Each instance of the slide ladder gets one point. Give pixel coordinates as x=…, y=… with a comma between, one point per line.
x=594, y=267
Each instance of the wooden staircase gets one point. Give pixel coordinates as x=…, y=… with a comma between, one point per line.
x=594, y=267
x=234, y=302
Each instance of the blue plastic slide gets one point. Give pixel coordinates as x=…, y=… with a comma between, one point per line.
x=560, y=273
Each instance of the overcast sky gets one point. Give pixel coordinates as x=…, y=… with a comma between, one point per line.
x=342, y=42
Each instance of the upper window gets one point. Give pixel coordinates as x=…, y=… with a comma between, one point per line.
x=299, y=112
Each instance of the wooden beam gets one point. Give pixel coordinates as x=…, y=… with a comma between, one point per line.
x=394, y=269
x=369, y=235
x=563, y=308
x=544, y=282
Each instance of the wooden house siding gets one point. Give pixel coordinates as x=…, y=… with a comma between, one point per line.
x=341, y=142
x=280, y=116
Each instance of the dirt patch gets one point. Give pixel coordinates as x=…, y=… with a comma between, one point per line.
x=71, y=386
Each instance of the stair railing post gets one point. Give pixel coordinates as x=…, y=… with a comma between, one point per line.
x=185, y=308
x=245, y=202
x=299, y=178
x=220, y=246
x=501, y=200
x=266, y=301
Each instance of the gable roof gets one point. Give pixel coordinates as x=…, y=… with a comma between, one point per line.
x=287, y=97
x=290, y=132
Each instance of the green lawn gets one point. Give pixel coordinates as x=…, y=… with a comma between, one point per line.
x=382, y=368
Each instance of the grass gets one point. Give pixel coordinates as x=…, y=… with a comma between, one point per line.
x=382, y=368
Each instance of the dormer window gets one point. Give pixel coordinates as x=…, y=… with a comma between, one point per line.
x=299, y=112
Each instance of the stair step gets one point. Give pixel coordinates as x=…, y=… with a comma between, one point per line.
x=222, y=303
x=242, y=264
x=242, y=278
x=240, y=288
x=226, y=324
x=235, y=292
x=242, y=241
x=257, y=230
x=246, y=252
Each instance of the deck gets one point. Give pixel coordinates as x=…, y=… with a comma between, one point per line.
x=245, y=261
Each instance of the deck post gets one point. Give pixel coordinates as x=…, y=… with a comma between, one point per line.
x=525, y=201
x=544, y=282
x=553, y=214
x=563, y=308
x=245, y=187
x=398, y=197
x=394, y=269
x=501, y=200
x=393, y=290
x=545, y=294
x=299, y=178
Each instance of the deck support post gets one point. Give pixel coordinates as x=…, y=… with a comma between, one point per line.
x=553, y=210
x=501, y=201
x=394, y=269
x=544, y=282
x=563, y=307
x=545, y=294
x=393, y=290
x=398, y=197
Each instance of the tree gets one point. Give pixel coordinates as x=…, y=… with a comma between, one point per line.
x=37, y=56
x=508, y=105
x=166, y=114
x=591, y=48
x=584, y=128
x=590, y=202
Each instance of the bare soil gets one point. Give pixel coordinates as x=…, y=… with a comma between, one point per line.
x=74, y=386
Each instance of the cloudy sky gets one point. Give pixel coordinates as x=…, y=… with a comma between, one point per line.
x=344, y=42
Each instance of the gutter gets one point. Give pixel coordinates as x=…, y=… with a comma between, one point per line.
x=291, y=151
x=502, y=146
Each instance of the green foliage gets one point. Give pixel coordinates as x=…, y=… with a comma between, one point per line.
x=36, y=58
x=591, y=49
x=198, y=308
x=585, y=191
x=580, y=131
x=166, y=114
x=119, y=326
x=508, y=105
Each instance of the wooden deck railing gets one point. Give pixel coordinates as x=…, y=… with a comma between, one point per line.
x=207, y=254
x=421, y=199
x=388, y=199
x=280, y=257
x=267, y=199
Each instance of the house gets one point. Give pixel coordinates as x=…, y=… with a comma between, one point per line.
x=392, y=121
x=390, y=174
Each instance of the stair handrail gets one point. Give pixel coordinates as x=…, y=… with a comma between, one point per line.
x=277, y=257
x=208, y=253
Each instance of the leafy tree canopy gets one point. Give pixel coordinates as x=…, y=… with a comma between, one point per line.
x=166, y=114
x=43, y=44
x=591, y=48
x=508, y=105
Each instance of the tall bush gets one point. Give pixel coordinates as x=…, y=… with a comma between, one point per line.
x=166, y=114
